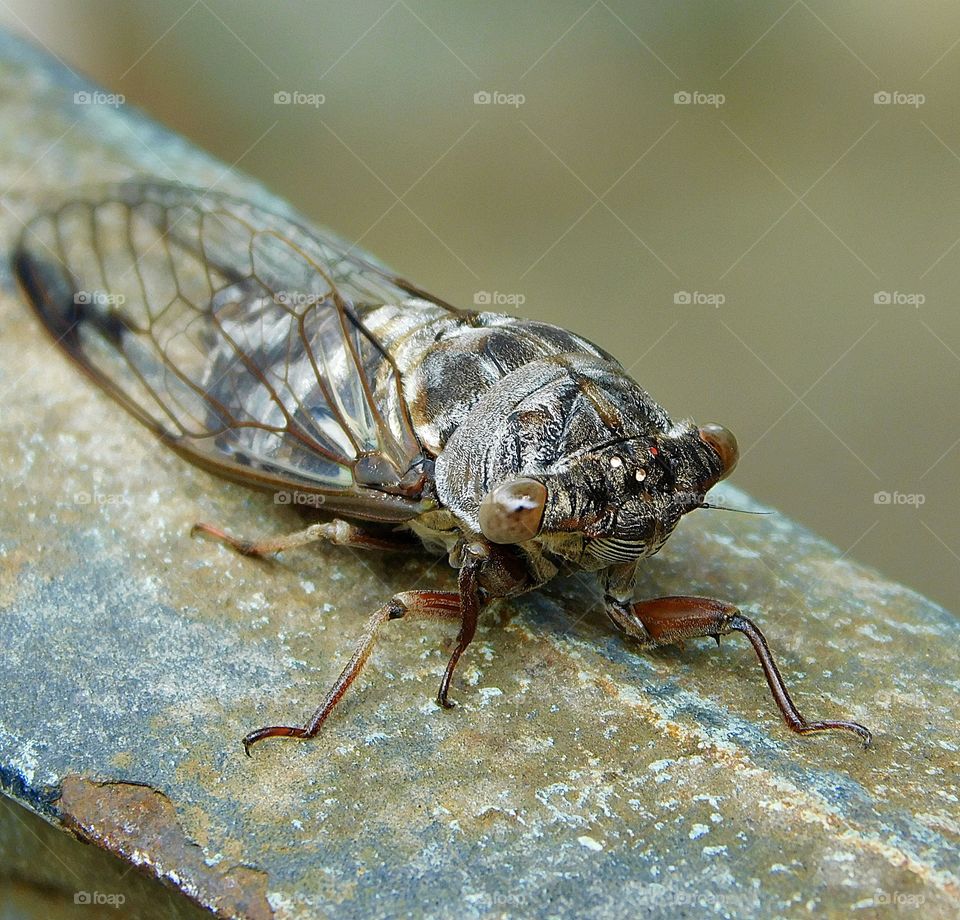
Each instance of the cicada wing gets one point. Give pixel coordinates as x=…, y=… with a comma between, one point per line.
x=230, y=332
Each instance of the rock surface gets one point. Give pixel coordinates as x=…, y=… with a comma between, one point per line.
x=577, y=777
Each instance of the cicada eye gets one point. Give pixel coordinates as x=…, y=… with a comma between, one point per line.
x=724, y=443
x=513, y=511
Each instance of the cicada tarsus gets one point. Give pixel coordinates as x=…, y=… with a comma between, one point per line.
x=272, y=353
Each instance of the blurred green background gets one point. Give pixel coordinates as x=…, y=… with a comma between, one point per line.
x=780, y=253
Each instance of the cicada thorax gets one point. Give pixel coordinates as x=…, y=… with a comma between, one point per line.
x=572, y=460
x=450, y=363
x=476, y=390
x=495, y=399
x=537, y=422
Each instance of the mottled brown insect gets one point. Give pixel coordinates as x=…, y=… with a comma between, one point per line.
x=272, y=354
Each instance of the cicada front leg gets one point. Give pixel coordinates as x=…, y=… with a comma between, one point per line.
x=670, y=620
x=337, y=532
x=469, y=615
x=463, y=605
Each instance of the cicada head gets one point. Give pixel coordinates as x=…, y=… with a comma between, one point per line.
x=625, y=498
x=576, y=456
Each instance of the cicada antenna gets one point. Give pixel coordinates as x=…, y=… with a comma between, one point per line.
x=710, y=507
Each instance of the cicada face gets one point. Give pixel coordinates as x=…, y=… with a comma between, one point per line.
x=639, y=488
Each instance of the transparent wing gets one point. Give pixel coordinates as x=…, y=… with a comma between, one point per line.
x=231, y=333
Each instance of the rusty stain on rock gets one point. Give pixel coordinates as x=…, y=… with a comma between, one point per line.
x=140, y=825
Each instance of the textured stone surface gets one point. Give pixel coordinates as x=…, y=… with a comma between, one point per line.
x=577, y=777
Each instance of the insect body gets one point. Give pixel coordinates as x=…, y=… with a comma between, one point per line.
x=270, y=353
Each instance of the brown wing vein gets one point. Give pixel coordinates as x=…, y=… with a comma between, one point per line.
x=186, y=351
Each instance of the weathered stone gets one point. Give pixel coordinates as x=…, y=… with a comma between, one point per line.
x=578, y=777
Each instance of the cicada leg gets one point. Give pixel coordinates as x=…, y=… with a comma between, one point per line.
x=423, y=605
x=667, y=620
x=469, y=614
x=337, y=532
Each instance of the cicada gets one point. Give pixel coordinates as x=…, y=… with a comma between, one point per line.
x=274, y=354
